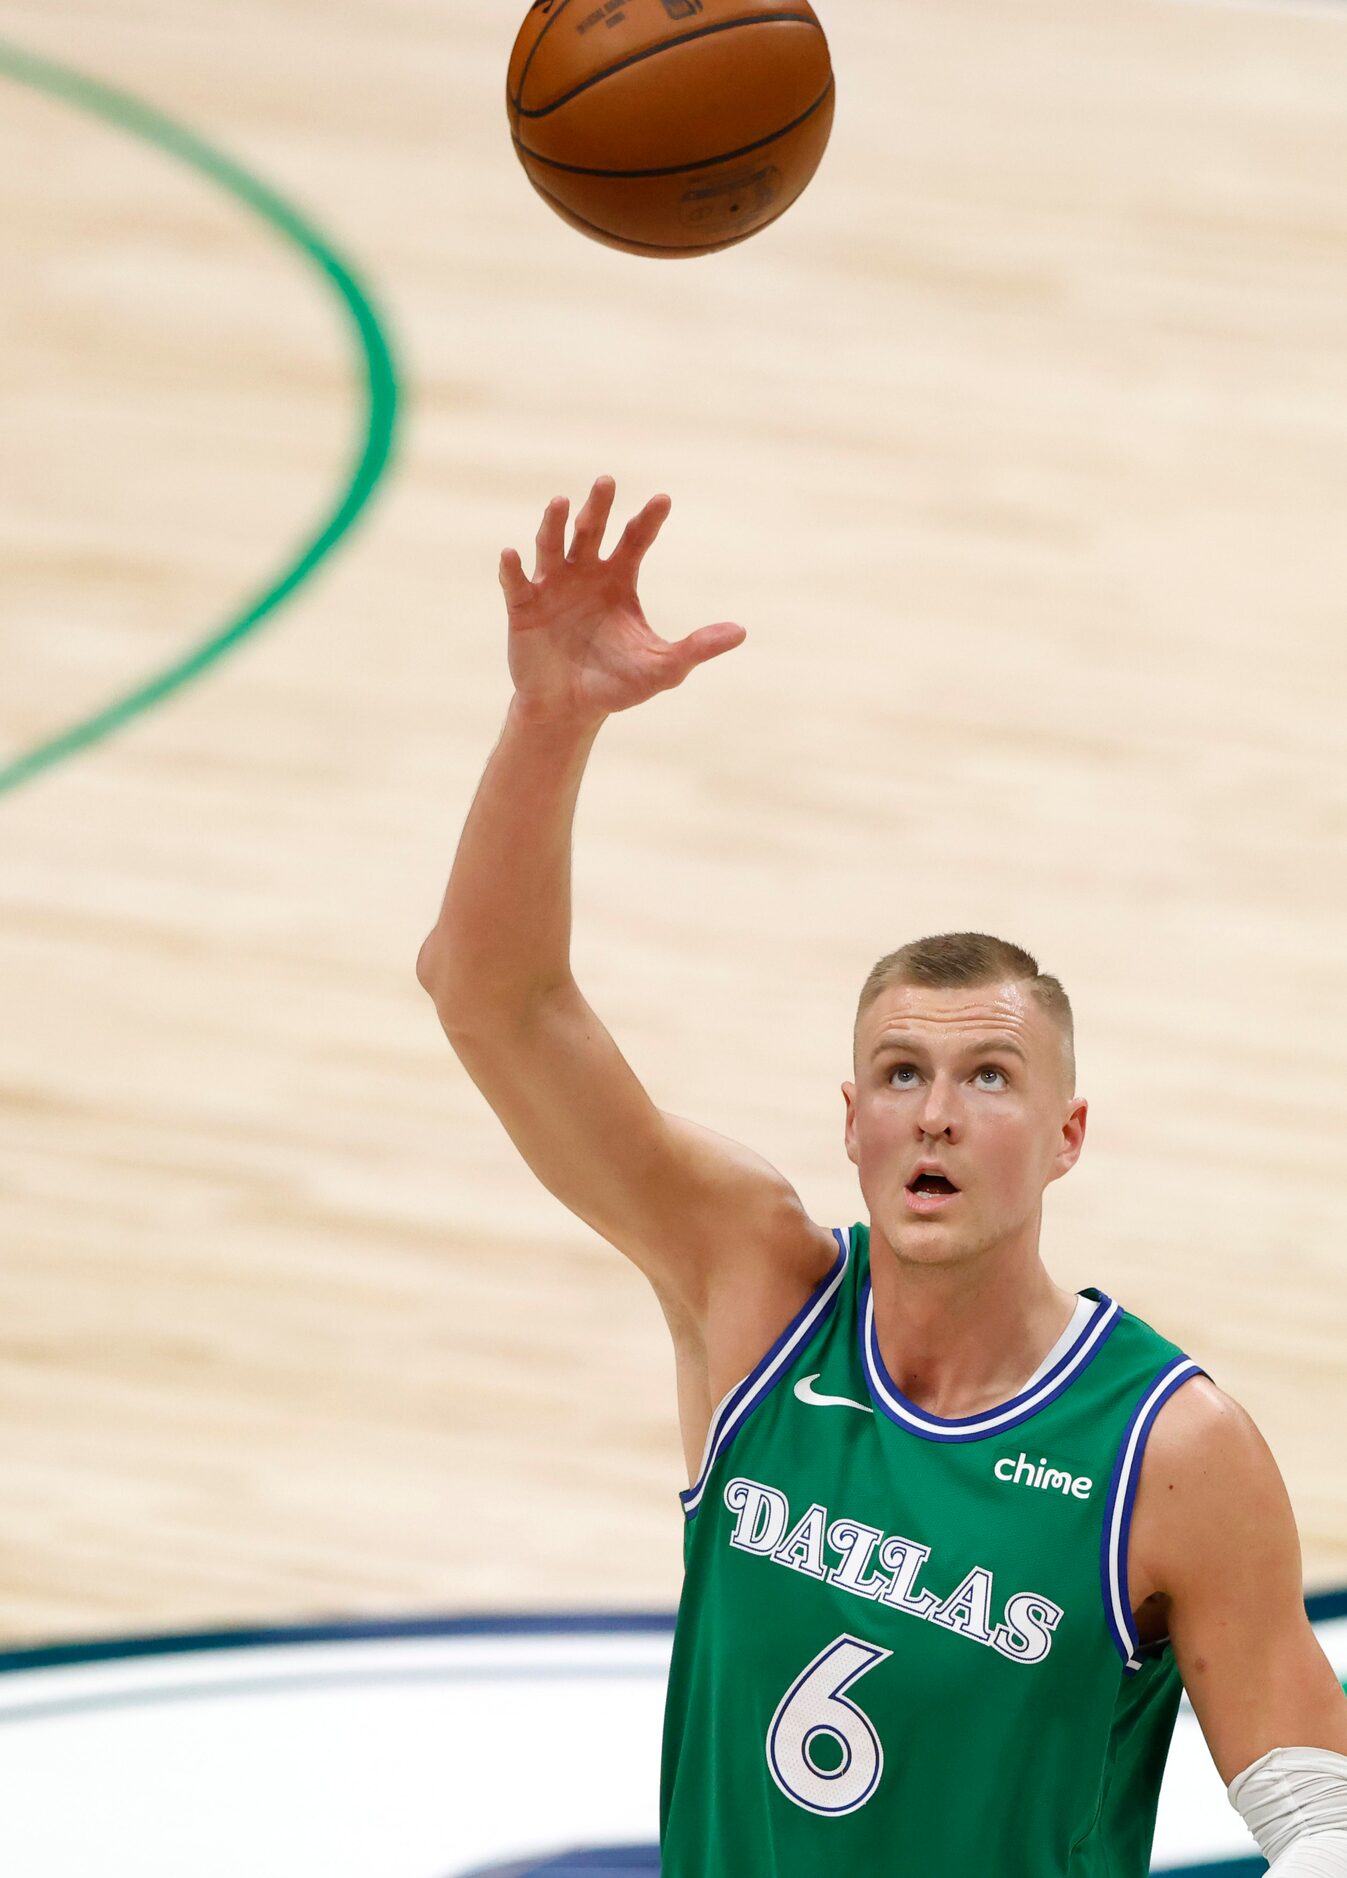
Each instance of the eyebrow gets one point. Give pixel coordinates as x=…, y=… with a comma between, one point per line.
x=985, y=1045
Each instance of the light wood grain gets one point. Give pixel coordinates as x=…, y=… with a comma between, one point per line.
x=1018, y=447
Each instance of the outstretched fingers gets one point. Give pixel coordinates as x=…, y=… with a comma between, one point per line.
x=708, y=642
x=513, y=579
x=724, y=636
x=552, y=537
x=640, y=532
x=592, y=520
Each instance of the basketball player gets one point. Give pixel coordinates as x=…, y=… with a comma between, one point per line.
x=955, y=1538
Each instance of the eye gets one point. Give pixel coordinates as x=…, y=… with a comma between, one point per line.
x=988, y=1069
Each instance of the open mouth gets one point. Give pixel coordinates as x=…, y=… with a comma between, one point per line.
x=928, y=1193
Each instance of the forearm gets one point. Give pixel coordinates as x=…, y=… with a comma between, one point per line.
x=1323, y=1856
x=1294, y=1802
x=504, y=930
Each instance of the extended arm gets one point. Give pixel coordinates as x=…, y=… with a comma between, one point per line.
x=697, y=1212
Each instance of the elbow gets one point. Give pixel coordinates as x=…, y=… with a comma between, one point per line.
x=466, y=996
x=430, y=968
x=432, y=977
x=425, y=965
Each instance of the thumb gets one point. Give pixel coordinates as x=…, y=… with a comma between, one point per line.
x=707, y=643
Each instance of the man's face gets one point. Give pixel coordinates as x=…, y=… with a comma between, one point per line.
x=976, y=1080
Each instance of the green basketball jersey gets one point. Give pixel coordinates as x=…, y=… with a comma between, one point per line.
x=905, y=1644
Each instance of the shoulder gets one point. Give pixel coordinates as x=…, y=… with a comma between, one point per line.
x=759, y=1291
x=777, y=1264
x=1201, y=1429
x=1208, y=1480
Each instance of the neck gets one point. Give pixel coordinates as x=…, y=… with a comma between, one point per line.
x=965, y=1336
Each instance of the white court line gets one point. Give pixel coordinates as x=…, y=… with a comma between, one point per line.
x=395, y=1757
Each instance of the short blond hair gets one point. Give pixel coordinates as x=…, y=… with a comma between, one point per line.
x=946, y=959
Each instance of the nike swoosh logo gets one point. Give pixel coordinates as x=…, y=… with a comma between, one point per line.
x=806, y=1392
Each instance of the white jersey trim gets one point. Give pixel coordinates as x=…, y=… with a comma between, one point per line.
x=1029, y=1401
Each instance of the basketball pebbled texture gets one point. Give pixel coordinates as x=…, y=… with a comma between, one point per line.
x=670, y=127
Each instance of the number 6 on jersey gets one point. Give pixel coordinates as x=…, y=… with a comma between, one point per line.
x=815, y=1705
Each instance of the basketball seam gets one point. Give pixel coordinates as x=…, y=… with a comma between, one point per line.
x=533, y=53
x=650, y=52
x=657, y=247
x=678, y=169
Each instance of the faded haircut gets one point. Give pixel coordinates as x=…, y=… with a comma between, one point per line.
x=944, y=960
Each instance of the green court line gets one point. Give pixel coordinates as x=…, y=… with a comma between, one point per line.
x=375, y=367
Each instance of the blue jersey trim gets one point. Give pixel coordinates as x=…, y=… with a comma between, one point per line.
x=736, y=1407
x=1122, y=1493
x=891, y=1401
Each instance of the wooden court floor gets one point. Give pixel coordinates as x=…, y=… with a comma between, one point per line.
x=1018, y=446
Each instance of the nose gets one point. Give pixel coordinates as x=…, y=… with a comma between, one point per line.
x=939, y=1112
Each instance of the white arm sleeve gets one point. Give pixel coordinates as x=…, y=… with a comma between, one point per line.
x=1294, y=1802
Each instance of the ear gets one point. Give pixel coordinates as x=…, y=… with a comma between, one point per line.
x=1072, y=1139
x=849, y=1134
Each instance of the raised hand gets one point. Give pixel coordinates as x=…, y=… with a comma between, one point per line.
x=579, y=645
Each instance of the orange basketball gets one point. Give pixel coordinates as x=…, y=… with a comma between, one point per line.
x=670, y=127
